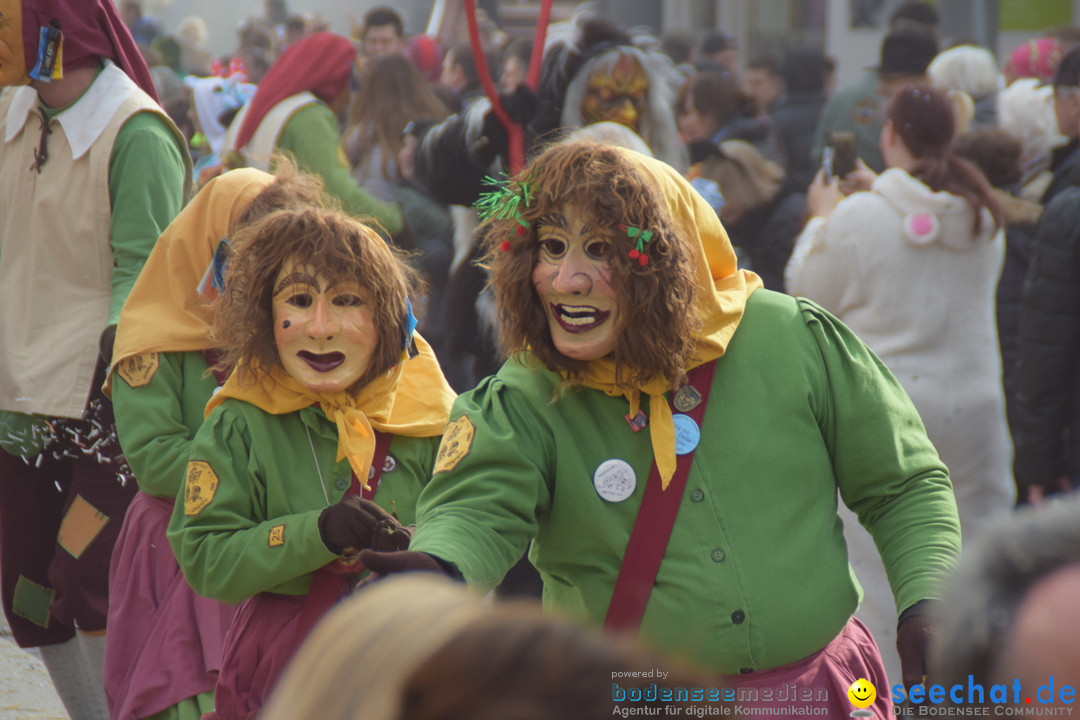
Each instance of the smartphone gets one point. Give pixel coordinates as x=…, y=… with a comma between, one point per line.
x=828, y=157
x=844, y=153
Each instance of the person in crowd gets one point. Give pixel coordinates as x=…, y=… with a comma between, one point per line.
x=806, y=72
x=295, y=110
x=679, y=45
x=257, y=48
x=997, y=154
x=1047, y=454
x=193, y=35
x=929, y=232
x=857, y=108
x=91, y=172
x=764, y=82
x=459, y=80
x=434, y=649
x=1037, y=59
x=390, y=95
x=297, y=27
x=381, y=33
x=213, y=101
x=143, y=29
x=515, y=64
x=1026, y=110
x=713, y=108
x=1066, y=157
x=315, y=447
x=719, y=52
x=973, y=70
x=643, y=360
x=1011, y=612
x=762, y=210
x=164, y=647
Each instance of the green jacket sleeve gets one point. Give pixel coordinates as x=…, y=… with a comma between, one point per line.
x=156, y=422
x=887, y=470
x=311, y=136
x=481, y=513
x=147, y=174
x=225, y=545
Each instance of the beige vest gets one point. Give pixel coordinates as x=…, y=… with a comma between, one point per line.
x=260, y=147
x=55, y=257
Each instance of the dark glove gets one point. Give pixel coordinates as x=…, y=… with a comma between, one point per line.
x=105, y=344
x=388, y=563
x=357, y=524
x=913, y=635
x=520, y=106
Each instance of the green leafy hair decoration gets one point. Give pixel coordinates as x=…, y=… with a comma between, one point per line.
x=641, y=238
x=505, y=202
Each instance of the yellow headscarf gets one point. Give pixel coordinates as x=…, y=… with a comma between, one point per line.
x=165, y=312
x=720, y=301
x=412, y=398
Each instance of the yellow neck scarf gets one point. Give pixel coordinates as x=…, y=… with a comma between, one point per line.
x=164, y=311
x=412, y=398
x=720, y=301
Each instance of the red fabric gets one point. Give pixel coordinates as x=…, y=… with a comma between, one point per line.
x=1037, y=59
x=655, y=520
x=92, y=29
x=321, y=64
x=825, y=676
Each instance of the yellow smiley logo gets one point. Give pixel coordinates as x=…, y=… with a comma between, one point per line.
x=862, y=693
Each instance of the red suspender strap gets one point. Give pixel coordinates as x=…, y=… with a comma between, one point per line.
x=655, y=520
x=329, y=581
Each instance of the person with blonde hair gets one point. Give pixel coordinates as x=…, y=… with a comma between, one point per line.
x=431, y=648
x=762, y=207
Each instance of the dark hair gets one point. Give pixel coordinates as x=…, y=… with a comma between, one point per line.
x=806, y=70
x=767, y=61
x=915, y=15
x=717, y=41
x=716, y=94
x=994, y=151
x=655, y=337
x=923, y=118
x=678, y=45
x=1068, y=70
x=383, y=15
x=463, y=57
x=334, y=245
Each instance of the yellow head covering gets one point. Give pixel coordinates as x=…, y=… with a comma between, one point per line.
x=719, y=302
x=412, y=398
x=165, y=312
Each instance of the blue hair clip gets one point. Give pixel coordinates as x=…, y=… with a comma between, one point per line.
x=410, y=327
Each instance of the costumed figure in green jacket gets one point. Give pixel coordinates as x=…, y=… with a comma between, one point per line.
x=317, y=445
x=653, y=387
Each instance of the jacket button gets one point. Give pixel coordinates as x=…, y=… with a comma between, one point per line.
x=697, y=495
x=718, y=555
x=746, y=670
x=341, y=483
x=738, y=616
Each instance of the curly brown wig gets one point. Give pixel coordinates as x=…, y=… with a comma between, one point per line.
x=656, y=322
x=335, y=246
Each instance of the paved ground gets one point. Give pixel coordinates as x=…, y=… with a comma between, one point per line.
x=26, y=692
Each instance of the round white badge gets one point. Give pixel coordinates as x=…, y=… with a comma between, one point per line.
x=687, y=434
x=614, y=480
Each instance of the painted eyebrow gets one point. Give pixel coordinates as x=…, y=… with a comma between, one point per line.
x=297, y=278
x=554, y=219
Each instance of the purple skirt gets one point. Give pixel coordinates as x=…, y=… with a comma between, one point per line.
x=165, y=641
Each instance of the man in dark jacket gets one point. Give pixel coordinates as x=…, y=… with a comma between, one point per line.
x=1067, y=109
x=1046, y=438
x=805, y=72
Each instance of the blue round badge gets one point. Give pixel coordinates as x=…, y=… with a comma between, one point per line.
x=687, y=434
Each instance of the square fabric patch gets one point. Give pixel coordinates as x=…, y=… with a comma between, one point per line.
x=80, y=526
x=32, y=601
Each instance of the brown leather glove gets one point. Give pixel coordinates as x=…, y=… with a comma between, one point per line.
x=355, y=524
x=912, y=641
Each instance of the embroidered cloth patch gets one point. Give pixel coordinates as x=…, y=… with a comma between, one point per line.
x=199, y=488
x=139, y=370
x=456, y=443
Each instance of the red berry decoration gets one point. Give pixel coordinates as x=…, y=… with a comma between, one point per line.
x=519, y=230
x=633, y=254
x=643, y=260
x=505, y=246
